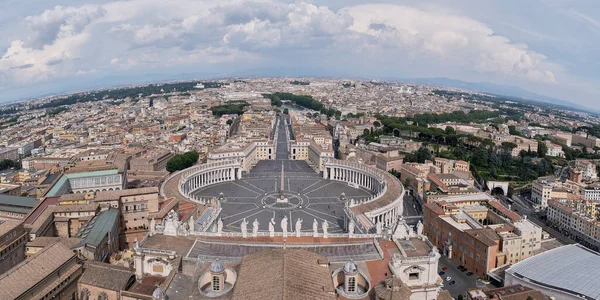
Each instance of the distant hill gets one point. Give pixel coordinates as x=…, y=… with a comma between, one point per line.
x=500, y=90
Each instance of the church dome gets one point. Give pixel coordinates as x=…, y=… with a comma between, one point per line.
x=159, y=294
x=350, y=268
x=217, y=267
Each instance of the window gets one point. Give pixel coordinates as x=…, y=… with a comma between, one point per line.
x=351, y=284
x=216, y=283
x=413, y=276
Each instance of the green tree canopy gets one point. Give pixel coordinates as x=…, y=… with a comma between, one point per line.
x=182, y=161
x=542, y=149
x=450, y=130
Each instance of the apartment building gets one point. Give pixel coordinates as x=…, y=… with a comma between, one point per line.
x=478, y=232
x=448, y=165
x=577, y=217
x=153, y=161
x=546, y=188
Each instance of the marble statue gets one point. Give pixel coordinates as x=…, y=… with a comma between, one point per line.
x=171, y=222
x=351, y=227
x=315, y=228
x=284, y=223
x=152, y=226
x=325, y=225
x=379, y=227
x=419, y=229
x=298, y=227
x=182, y=229
x=160, y=228
x=255, y=228
x=272, y=227
x=219, y=226
x=244, y=227
x=434, y=251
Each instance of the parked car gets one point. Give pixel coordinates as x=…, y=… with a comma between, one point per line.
x=444, y=268
x=462, y=268
x=469, y=273
x=442, y=273
x=453, y=282
x=448, y=278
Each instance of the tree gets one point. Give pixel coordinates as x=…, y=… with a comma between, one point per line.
x=542, y=149
x=376, y=124
x=450, y=130
x=460, y=297
x=286, y=111
x=229, y=122
x=182, y=161
x=423, y=154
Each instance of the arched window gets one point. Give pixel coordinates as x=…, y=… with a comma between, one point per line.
x=351, y=284
x=84, y=294
x=216, y=283
x=103, y=296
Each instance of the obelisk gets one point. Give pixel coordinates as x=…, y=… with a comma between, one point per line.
x=282, y=198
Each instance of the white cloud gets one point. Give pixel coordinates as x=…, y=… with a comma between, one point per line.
x=456, y=39
x=63, y=41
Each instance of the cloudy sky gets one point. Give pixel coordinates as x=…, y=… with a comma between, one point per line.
x=546, y=46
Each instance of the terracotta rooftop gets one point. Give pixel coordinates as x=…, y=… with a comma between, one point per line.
x=8, y=225
x=76, y=207
x=291, y=274
x=485, y=235
x=106, y=276
x=30, y=272
x=45, y=241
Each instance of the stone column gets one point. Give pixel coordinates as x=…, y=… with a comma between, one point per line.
x=139, y=265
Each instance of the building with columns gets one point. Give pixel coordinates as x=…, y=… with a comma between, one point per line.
x=248, y=153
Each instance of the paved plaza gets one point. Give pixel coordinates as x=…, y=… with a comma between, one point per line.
x=309, y=197
x=302, y=194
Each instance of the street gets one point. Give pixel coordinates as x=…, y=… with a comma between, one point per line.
x=463, y=282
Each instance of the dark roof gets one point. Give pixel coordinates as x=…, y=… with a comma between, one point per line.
x=40, y=208
x=94, y=231
x=106, y=276
x=50, y=178
x=8, y=201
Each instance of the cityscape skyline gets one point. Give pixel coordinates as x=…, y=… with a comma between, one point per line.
x=299, y=149
x=52, y=49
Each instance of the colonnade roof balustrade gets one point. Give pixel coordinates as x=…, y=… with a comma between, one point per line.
x=171, y=187
x=394, y=190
